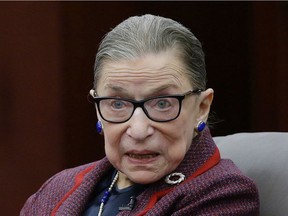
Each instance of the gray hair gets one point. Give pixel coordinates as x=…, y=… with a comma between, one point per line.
x=140, y=35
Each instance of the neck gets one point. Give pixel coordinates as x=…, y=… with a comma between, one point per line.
x=123, y=181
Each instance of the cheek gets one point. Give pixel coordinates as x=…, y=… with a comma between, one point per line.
x=182, y=132
x=175, y=154
x=178, y=140
x=113, y=153
x=113, y=133
x=187, y=124
x=112, y=140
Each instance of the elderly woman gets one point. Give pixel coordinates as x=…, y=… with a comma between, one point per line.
x=152, y=105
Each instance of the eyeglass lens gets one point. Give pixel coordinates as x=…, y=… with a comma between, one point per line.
x=157, y=109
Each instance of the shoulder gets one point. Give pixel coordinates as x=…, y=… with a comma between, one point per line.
x=65, y=179
x=225, y=177
x=221, y=190
x=53, y=190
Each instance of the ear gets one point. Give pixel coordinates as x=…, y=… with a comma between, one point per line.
x=92, y=92
x=205, y=101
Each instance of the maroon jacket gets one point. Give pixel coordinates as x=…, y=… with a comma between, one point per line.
x=212, y=187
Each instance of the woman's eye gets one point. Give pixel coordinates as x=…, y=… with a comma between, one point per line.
x=163, y=104
x=118, y=104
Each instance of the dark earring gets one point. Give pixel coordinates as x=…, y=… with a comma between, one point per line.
x=200, y=126
x=99, y=127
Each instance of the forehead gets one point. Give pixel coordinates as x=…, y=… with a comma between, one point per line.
x=151, y=72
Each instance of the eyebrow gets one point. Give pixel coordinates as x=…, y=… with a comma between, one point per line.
x=163, y=87
x=115, y=88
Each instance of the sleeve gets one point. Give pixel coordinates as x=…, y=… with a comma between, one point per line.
x=50, y=193
x=55, y=190
x=31, y=206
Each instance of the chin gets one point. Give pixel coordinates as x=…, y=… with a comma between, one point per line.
x=144, y=177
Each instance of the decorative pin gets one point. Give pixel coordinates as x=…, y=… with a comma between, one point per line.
x=175, y=178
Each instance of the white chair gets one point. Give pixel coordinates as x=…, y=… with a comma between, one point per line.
x=264, y=158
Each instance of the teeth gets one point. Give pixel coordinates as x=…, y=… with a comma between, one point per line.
x=142, y=156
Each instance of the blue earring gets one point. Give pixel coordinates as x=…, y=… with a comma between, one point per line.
x=99, y=127
x=200, y=126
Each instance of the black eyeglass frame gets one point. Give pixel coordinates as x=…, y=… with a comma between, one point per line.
x=136, y=104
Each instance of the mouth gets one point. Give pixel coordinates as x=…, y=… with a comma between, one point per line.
x=142, y=156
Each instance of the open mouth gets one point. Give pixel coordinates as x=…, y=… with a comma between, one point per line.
x=142, y=156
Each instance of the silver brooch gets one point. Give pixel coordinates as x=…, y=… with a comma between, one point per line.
x=174, y=178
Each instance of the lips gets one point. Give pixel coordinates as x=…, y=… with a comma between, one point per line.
x=142, y=156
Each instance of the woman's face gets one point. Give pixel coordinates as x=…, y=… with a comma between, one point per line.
x=144, y=150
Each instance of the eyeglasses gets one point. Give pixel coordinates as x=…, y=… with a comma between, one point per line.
x=159, y=109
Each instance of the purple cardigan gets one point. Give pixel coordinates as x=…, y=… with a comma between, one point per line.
x=212, y=187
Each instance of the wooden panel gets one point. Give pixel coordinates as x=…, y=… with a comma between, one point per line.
x=31, y=114
x=270, y=68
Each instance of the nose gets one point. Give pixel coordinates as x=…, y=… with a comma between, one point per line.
x=139, y=125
